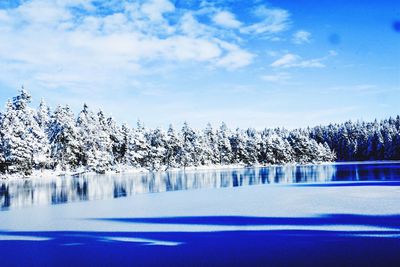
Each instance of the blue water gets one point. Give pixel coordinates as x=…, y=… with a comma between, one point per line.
x=283, y=247
x=89, y=187
x=222, y=248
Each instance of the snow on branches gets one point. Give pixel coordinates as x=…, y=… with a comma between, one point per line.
x=38, y=139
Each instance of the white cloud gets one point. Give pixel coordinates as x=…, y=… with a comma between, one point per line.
x=191, y=27
x=226, y=19
x=286, y=60
x=155, y=9
x=235, y=59
x=43, y=12
x=273, y=20
x=311, y=63
x=262, y=21
x=295, y=61
x=51, y=45
x=301, y=37
x=277, y=77
x=186, y=48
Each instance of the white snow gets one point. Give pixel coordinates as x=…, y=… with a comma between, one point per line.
x=257, y=201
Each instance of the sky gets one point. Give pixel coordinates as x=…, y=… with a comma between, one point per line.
x=249, y=63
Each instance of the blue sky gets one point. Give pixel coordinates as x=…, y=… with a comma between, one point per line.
x=248, y=63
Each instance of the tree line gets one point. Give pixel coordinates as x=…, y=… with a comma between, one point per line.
x=41, y=139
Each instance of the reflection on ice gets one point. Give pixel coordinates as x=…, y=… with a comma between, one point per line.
x=147, y=242
x=90, y=187
x=5, y=237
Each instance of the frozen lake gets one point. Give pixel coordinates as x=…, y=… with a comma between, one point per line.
x=322, y=215
x=94, y=187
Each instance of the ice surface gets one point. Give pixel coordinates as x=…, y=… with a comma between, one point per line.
x=285, y=201
x=267, y=225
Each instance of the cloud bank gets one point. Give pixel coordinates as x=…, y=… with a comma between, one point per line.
x=81, y=43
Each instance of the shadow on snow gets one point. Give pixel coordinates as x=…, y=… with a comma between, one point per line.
x=246, y=248
x=359, y=183
x=391, y=221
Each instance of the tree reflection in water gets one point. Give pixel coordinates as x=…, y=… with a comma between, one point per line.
x=56, y=190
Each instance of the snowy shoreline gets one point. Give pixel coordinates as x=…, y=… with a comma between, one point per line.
x=48, y=174
x=133, y=170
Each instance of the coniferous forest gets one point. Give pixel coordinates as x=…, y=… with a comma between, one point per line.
x=41, y=139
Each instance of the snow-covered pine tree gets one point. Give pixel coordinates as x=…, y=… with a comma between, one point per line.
x=103, y=158
x=65, y=140
x=211, y=152
x=126, y=136
x=3, y=165
x=25, y=143
x=17, y=151
x=97, y=146
x=174, y=149
x=40, y=130
x=188, y=148
x=326, y=154
x=252, y=147
x=389, y=132
x=224, y=146
x=87, y=125
x=238, y=144
x=138, y=147
x=158, y=149
x=118, y=140
x=43, y=115
x=305, y=149
x=200, y=149
x=277, y=149
x=97, y=143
